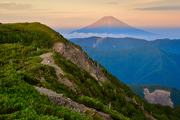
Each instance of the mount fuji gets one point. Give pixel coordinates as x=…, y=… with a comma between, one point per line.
x=111, y=25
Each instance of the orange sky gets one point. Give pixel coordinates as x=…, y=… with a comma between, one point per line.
x=65, y=14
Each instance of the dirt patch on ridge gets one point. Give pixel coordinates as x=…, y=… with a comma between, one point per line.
x=48, y=60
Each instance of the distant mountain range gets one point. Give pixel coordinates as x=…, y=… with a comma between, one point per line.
x=141, y=65
x=111, y=25
x=124, y=43
x=174, y=92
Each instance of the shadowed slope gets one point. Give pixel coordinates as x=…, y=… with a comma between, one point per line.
x=140, y=65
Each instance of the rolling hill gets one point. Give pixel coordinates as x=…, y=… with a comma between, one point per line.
x=141, y=65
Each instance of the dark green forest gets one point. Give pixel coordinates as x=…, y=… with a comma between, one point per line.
x=141, y=65
x=21, y=70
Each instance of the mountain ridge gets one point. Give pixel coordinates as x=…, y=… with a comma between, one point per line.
x=109, y=43
x=146, y=65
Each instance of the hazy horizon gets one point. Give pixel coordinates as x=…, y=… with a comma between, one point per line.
x=171, y=33
x=150, y=15
x=77, y=14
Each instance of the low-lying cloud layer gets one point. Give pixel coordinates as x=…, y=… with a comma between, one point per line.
x=83, y=35
x=103, y=35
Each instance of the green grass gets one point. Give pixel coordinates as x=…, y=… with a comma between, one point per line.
x=19, y=100
x=34, y=34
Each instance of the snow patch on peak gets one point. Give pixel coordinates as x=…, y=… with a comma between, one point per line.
x=108, y=21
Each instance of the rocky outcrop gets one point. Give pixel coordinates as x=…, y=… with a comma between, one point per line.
x=62, y=100
x=158, y=96
x=150, y=117
x=142, y=107
x=48, y=60
x=75, y=55
x=98, y=41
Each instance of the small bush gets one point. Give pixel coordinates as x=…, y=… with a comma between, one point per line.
x=61, y=75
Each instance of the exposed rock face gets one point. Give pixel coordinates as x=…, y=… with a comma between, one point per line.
x=127, y=98
x=158, y=96
x=150, y=117
x=70, y=52
x=48, y=60
x=142, y=107
x=62, y=100
x=97, y=42
x=134, y=100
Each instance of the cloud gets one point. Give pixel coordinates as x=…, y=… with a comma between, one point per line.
x=160, y=8
x=103, y=35
x=109, y=3
x=14, y=6
x=72, y=12
x=83, y=35
x=147, y=1
x=140, y=2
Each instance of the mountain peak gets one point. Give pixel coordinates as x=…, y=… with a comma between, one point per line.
x=108, y=17
x=108, y=21
x=111, y=25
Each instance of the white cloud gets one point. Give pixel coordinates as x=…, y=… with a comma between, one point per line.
x=83, y=35
x=103, y=35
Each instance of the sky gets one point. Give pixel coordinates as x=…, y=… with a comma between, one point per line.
x=76, y=14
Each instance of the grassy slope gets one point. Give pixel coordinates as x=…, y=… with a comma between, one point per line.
x=34, y=34
x=175, y=93
x=20, y=70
